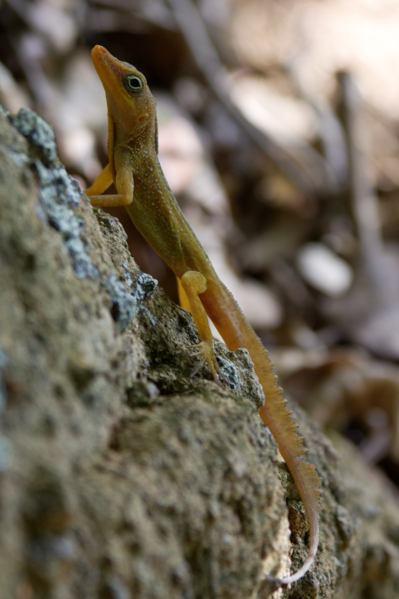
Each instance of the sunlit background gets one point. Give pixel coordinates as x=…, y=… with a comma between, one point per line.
x=279, y=134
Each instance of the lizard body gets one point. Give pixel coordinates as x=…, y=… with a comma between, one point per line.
x=142, y=188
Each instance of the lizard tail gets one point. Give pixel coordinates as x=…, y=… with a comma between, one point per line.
x=237, y=332
x=279, y=420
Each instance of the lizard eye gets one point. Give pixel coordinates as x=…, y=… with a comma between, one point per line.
x=135, y=83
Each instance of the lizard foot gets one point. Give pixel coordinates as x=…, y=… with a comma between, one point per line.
x=204, y=351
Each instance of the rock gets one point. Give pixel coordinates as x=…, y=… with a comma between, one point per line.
x=121, y=474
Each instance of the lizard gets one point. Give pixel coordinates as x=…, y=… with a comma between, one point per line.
x=143, y=189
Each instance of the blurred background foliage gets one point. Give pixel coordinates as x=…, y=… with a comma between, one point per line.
x=279, y=135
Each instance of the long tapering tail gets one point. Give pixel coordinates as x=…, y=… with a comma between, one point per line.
x=237, y=332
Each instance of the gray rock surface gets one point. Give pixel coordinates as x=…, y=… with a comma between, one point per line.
x=121, y=476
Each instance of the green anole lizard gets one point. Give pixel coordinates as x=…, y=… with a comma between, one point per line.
x=143, y=190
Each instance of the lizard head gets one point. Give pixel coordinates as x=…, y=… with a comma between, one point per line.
x=130, y=102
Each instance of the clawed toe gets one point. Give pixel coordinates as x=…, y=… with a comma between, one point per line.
x=206, y=355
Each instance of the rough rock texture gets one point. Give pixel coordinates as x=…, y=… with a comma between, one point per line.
x=121, y=476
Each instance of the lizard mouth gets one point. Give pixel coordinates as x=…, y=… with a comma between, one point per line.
x=113, y=74
x=109, y=69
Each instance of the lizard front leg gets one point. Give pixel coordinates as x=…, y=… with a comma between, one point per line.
x=124, y=185
x=193, y=284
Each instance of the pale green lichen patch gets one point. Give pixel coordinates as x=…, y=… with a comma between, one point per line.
x=59, y=193
x=145, y=286
x=124, y=305
x=38, y=132
x=56, y=182
x=128, y=278
x=19, y=158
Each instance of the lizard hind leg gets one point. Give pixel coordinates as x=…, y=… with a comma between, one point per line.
x=192, y=284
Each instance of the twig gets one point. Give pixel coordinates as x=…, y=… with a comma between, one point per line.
x=362, y=182
x=197, y=38
x=331, y=132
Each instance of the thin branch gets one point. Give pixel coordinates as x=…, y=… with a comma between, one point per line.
x=331, y=132
x=362, y=180
x=309, y=181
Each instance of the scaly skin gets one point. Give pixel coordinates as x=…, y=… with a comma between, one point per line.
x=143, y=190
